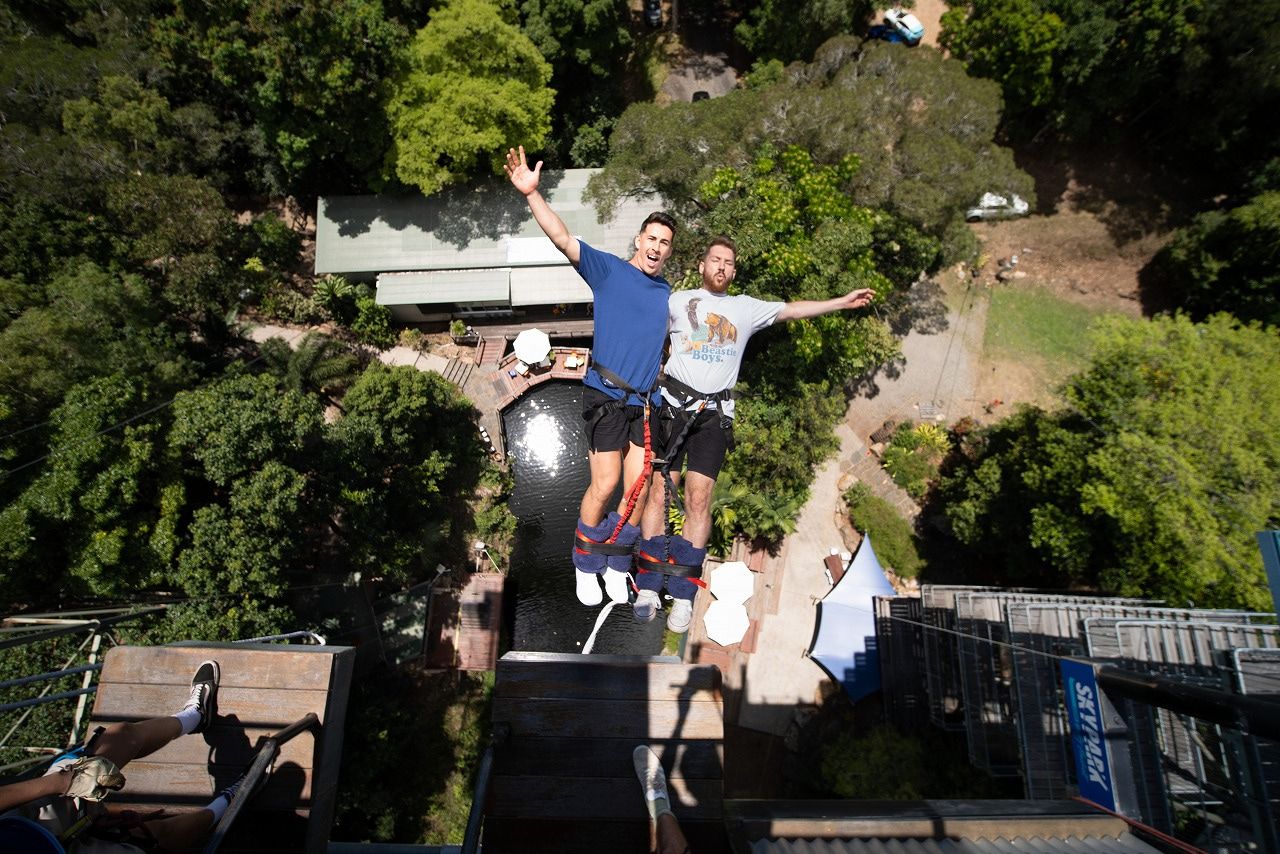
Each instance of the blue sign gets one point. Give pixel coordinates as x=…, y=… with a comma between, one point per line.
x=1088, y=734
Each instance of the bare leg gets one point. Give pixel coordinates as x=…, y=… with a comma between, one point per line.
x=181, y=832
x=654, y=521
x=606, y=470
x=632, y=466
x=670, y=837
x=697, y=506
x=124, y=742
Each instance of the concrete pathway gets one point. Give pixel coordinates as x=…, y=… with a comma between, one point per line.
x=779, y=674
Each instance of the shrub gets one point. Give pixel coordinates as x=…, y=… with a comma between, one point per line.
x=338, y=296
x=372, y=325
x=289, y=306
x=895, y=542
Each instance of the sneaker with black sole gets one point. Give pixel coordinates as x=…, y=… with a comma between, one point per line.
x=204, y=693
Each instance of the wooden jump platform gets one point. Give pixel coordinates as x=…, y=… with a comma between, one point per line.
x=563, y=779
x=264, y=688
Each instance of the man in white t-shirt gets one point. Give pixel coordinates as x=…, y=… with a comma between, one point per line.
x=709, y=333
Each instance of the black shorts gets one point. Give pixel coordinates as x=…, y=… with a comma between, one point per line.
x=618, y=427
x=706, y=444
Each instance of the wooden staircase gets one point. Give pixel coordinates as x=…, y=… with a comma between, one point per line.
x=264, y=688
x=491, y=350
x=457, y=371
x=563, y=779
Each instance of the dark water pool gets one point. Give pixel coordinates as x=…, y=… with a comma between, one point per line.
x=544, y=436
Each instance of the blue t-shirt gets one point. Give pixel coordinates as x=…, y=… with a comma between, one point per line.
x=630, y=322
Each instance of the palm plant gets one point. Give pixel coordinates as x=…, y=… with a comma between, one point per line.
x=319, y=365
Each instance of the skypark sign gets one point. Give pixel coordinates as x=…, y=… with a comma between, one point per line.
x=1088, y=734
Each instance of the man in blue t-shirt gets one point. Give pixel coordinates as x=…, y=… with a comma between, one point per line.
x=626, y=351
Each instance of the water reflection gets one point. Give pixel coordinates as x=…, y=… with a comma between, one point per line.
x=544, y=435
x=542, y=443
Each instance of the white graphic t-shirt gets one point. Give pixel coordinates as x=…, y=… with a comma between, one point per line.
x=709, y=334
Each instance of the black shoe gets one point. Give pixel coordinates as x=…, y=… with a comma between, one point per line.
x=204, y=693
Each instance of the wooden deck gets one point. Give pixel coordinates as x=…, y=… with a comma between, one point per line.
x=563, y=780
x=464, y=626
x=509, y=384
x=264, y=688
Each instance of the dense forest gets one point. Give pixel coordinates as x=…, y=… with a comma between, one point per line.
x=158, y=159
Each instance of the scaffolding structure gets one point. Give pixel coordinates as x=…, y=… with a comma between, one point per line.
x=986, y=662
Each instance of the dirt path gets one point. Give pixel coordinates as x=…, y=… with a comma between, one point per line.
x=930, y=14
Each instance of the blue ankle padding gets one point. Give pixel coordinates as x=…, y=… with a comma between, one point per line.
x=626, y=537
x=594, y=564
x=681, y=551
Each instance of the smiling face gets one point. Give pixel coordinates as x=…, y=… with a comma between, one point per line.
x=653, y=248
x=717, y=268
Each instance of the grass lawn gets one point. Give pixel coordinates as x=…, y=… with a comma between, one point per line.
x=1028, y=324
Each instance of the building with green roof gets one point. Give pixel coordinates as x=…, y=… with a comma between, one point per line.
x=470, y=251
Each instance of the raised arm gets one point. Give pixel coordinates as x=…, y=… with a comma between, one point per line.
x=801, y=309
x=525, y=180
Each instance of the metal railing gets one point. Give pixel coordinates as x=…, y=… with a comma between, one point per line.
x=268, y=749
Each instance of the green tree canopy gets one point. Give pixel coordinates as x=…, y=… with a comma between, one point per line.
x=1144, y=67
x=308, y=75
x=403, y=465
x=588, y=44
x=1226, y=261
x=1151, y=482
x=473, y=86
x=922, y=128
x=790, y=30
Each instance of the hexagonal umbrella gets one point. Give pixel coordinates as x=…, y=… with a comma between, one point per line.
x=733, y=582
x=532, y=346
x=726, y=623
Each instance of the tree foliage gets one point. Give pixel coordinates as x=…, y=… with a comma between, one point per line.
x=1141, y=67
x=308, y=74
x=473, y=85
x=404, y=462
x=789, y=30
x=921, y=128
x=1152, y=481
x=588, y=44
x=1226, y=261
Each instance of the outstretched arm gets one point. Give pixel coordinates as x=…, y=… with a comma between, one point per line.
x=26, y=791
x=525, y=180
x=801, y=309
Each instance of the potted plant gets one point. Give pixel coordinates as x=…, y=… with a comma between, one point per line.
x=462, y=334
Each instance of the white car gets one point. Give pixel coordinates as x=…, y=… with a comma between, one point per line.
x=993, y=206
x=905, y=24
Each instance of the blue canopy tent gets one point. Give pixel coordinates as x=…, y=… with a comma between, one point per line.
x=844, y=640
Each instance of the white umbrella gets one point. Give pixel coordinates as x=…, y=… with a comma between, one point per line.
x=733, y=583
x=532, y=346
x=726, y=622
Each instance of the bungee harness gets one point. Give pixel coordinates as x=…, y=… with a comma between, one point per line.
x=609, y=546
x=665, y=563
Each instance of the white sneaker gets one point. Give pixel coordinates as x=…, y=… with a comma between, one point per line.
x=588, y=588
x=681, y=616
x=615, y=584
x=646, y=605
x=649, y=771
